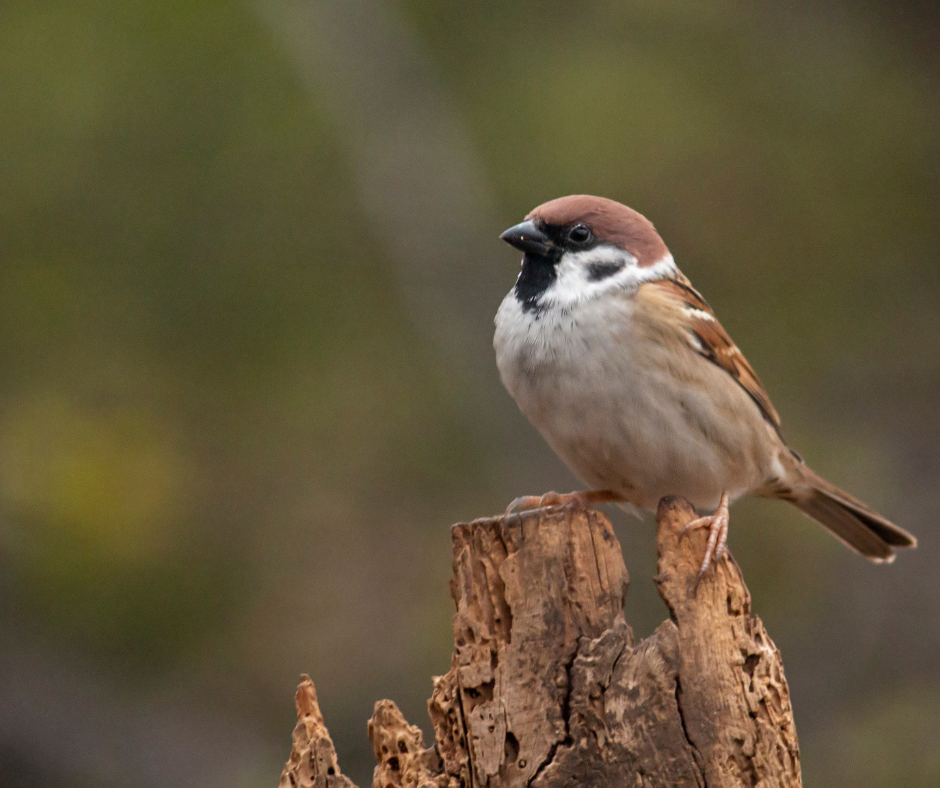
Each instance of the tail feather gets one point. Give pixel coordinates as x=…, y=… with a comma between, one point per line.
x=853, y=522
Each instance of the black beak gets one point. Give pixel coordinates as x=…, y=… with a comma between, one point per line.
x=529, y=239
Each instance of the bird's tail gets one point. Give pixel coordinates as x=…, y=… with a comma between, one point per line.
x=851, y=521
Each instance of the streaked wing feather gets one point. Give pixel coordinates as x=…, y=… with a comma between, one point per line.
x=711, y=340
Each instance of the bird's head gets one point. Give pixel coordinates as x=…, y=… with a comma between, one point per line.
x=578, y=247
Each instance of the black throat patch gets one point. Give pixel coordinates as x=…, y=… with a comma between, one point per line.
x=537, y=275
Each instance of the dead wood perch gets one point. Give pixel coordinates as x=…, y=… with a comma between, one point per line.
x=546, y=687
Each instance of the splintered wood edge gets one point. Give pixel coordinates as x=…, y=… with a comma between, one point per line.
x=399, y=749
x=312, y=758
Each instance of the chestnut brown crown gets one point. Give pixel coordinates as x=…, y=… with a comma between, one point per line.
x=610, y=221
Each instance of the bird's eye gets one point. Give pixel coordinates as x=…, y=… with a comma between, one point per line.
x=580, y=234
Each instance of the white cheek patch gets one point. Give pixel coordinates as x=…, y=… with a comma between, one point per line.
x=599, y=254
x=577, y=277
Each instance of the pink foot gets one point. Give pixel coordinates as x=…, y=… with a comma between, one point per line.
x=717, y=525
x=582, y=499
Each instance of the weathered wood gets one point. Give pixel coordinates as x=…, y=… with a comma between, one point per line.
x=400, y=753
x=546, y=687
x=312, y=762
x=733, y=696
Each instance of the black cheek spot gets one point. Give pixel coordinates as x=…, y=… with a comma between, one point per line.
x=598, y=271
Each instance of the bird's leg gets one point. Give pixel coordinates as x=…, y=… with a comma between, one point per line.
x=717, y=525
x=581, y=499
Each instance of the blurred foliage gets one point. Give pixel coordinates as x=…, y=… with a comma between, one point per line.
x=888, y=741
x=229, y=451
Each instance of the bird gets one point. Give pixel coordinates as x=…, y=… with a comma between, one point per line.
x=624, y=369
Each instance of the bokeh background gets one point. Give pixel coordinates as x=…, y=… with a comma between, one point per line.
x=248, y=270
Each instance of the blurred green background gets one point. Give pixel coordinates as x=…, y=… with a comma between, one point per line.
x=248, y=270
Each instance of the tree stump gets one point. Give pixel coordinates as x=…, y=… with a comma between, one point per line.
x=547, y=688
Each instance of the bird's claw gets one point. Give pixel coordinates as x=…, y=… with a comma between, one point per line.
x=581, y=499
x=716, y=546
x=527, y=502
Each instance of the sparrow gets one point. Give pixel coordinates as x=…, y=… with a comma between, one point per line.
x=624, y=369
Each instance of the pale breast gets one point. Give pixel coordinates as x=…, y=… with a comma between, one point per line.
x=621, y=396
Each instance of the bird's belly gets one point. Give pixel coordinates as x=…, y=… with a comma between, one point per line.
x=622, y=415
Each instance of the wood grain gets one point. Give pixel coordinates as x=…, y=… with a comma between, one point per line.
x=547, y=688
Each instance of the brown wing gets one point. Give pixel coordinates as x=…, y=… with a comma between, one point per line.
x=712, y=341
